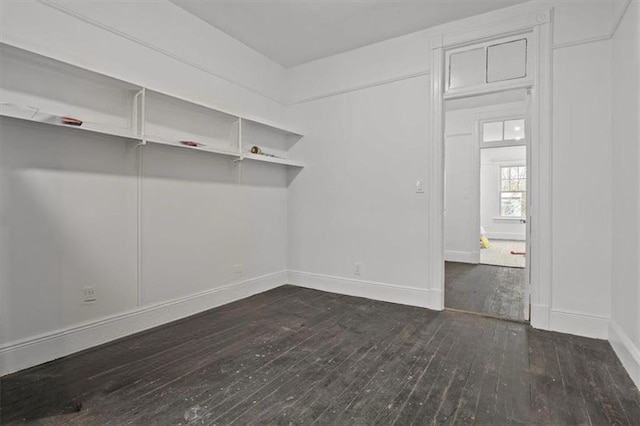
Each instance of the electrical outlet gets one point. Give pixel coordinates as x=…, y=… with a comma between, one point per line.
x=357, y=269
x=89, y=294
x=420, y=186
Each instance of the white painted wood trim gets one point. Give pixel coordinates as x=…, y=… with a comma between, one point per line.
x=436, y=176
x=462, y=256
x=539, y=254
x=628, y=353
x=385, y=292
x=580, y=324
x=540, y=160
x=541, y=315
x=505, y=28
x=25, y=353
x=362, y=87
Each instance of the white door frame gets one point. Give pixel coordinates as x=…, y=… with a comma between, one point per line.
x=540, y=256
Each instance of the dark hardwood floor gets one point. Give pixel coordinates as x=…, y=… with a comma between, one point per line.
x=497, y=291
x=299, y=356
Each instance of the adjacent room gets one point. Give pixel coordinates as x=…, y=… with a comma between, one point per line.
x=485, y=212
x=319, y=212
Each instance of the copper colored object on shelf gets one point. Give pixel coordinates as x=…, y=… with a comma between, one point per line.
x=71, y=121
x=191, y=143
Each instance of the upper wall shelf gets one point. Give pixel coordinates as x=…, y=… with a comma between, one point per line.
x=44, y=90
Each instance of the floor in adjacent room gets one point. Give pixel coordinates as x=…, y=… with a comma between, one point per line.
x=501, y=253
x=295, y=356
x=496, y=291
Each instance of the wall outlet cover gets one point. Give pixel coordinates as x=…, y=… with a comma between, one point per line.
x=89, y=294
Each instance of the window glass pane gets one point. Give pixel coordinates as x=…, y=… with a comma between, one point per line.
x=522, y=172
x=492, y=132
x=467, y=68
x=514, y=129
x=511, y=204
x=513, y=185
x=506, y=61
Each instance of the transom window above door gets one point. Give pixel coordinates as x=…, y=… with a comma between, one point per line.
x=503, y=130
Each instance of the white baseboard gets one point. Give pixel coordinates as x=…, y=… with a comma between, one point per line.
x=462, y=256
x=628, y=353
x=513, y=236
x=25, y=353
x=579, y=324
x=360, y=288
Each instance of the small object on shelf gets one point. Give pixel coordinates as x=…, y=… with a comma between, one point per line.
x=70, y=121
x=256, y=150
x=192, y=144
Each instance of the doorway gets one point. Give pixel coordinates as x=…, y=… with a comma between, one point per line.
x=485, y=209
x=455, y=76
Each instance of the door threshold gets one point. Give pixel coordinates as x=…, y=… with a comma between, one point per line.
x=480, y=314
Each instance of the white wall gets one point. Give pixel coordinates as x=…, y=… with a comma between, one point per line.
x=581, y=118
x=625, y=309
x=460, y=233
x=491, y=159
x=69, y=201
x=356, y=202
x=581, y=185
x=68, y=206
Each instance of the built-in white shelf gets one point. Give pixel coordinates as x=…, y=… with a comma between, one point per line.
x=273, y=142
x=203, y=148
x=273, y=160
x=39, y=89
x=50, y=119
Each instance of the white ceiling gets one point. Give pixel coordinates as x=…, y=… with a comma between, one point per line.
x=292, y=32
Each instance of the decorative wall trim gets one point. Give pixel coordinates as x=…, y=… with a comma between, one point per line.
x=612, y=32
x=461, y=256
x=25, y=353
x=362, y=86
x=628, y=353
x=360, y=288
x=583, y=41
x=155, y=48
x=580, y=324
x=436, y=42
